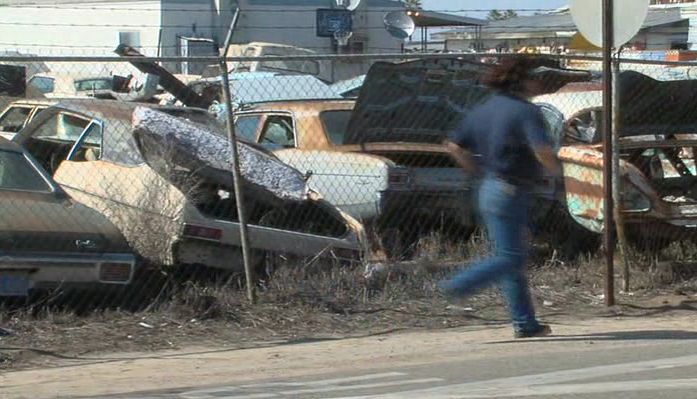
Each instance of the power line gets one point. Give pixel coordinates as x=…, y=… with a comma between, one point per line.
x=381, y=10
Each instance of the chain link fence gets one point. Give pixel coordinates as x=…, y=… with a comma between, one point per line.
x=109, y=166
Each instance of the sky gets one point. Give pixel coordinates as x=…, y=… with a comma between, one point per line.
x=490, y=4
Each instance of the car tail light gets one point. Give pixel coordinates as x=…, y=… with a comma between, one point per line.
x=398, y=177
x=115, y=272
x=203, y=233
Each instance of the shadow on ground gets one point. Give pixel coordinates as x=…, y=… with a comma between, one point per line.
x=647, y=335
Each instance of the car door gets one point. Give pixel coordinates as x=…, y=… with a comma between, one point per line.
x=351, y=181
x=52, y=135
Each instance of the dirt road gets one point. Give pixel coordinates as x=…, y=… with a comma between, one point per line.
x=195, y=368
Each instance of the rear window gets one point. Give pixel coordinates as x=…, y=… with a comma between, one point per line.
x=17, y=173
x=335, y=124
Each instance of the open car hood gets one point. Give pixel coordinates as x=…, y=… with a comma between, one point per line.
x=420, y=101
x=167, y=140
x=653, y=107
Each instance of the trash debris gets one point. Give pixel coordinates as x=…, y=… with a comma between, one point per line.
x=459, y=308
x=5, y=332
x=547, y=303
x=146, y=325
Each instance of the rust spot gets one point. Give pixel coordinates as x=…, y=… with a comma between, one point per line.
x=576, y=186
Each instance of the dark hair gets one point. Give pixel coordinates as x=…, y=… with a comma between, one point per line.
x=510, y=73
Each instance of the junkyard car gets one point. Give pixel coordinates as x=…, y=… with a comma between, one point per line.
x=47, y=239
x=164, y=180
x=657, y=164
x=18, y=114
x=385, y=183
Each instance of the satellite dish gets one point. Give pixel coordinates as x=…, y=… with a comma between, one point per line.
x=399, y=24
x=628, y=18
x=348, y=4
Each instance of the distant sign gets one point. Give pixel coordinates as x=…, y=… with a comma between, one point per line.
x=628, y=18
x=330, y=20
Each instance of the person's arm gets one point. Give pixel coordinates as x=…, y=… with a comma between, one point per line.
x=534, y=130
x=548, y=158
x=462, y=157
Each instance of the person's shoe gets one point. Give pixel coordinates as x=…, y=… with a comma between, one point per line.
x=542, y=330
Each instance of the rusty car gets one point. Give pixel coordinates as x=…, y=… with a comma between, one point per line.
x=47, y=239
x=382, y=184
x=657, y=161
x=162, y=175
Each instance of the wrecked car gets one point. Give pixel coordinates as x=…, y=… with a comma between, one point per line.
x=162, y=175
x=657, y=166
x=18, y=114
x=383, y=184
x=379, y=158
x=47, y=240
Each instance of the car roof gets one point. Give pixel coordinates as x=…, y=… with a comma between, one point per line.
x=571, y=103
x=301, y=105
x=109, y=109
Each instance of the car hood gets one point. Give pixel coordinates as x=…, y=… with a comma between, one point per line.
x=421, y=101
x=47, y=223
x=165, y=140
x=652, y=107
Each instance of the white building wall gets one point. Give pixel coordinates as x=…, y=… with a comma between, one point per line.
x=691, y=14
x=84, y=29
x=78, y=29
x=296, y=25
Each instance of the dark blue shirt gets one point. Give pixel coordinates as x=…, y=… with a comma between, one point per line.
x=503, y=131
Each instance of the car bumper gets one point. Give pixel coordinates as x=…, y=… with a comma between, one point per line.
x=21, y=273
x=395, y=204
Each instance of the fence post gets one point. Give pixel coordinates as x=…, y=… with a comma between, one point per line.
x=608, y=41
x=616, y=175
x=239, y=197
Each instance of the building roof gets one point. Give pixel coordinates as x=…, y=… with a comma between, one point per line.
x=560, y=22
x=439, y=19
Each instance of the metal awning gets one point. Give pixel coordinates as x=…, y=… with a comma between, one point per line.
x=425, y=18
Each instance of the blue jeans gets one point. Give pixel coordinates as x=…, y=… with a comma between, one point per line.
x=504, y=210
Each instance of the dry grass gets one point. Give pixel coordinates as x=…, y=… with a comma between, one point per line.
x=317, y=300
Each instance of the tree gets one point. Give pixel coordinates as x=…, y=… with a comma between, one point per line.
x=413, y=4
x=497, y=15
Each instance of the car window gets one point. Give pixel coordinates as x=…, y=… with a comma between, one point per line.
x=335, y=125
x=278, y=132
x=61, y=126
x=246, y=126
x=42, y=84
x=17, y=173
x=93, y=84
x=14, y=119
x=89, y=148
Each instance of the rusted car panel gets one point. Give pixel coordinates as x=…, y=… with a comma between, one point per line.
x=657, y=164
x=174, y=201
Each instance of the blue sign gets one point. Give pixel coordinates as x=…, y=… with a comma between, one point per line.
x=330, y=20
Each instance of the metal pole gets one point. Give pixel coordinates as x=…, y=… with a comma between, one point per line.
x=236, y=179
x=237, y=182
x=608, y=40
x=616, y=175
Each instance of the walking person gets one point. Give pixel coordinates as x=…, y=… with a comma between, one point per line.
x=508, y=134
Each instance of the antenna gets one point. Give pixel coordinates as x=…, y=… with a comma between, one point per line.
x=348, y=4
x=399, y=24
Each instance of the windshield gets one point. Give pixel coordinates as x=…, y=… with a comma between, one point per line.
x=17, y=173
x=335, y=124
x=93, y=84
